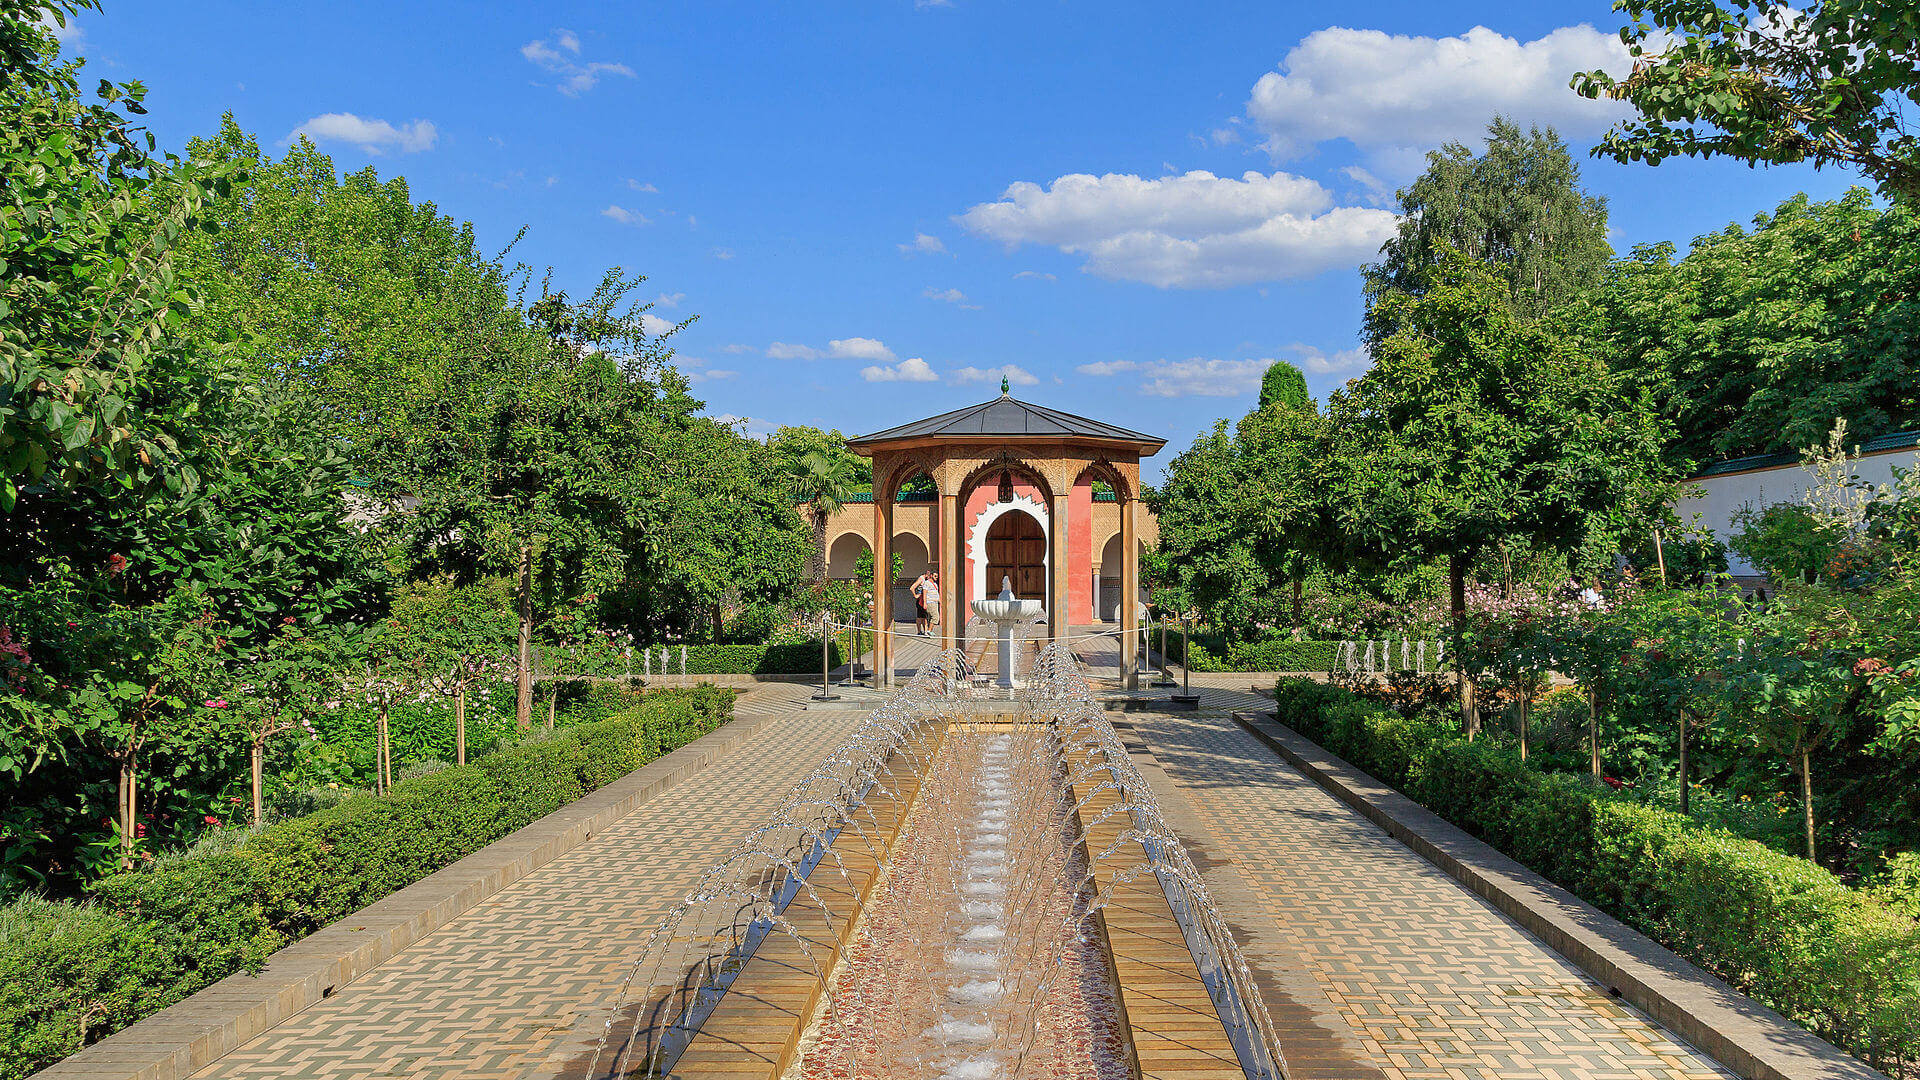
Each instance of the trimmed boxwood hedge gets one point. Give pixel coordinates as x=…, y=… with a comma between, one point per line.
x=1779, y=927
x=1211, y=652
x=71, y=974
x=801, y=659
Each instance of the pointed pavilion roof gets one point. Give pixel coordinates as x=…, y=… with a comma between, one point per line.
x=1008, y=417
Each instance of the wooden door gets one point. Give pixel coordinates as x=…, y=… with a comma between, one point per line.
x=1017, y=549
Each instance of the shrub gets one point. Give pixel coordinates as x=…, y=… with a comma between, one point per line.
x=801, y=659
x=1781, y=928
x=1211, y=653
x=72, y=973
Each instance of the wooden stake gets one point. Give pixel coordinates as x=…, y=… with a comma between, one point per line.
x=1660, y=557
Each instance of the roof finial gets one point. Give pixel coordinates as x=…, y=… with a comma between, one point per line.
x=1006, y=387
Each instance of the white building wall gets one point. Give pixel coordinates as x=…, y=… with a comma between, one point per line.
x=1720, y=497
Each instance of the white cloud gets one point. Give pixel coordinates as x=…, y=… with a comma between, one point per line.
x=1192, y=230
x=1196, y=377
x=852, y=348
x=560, y=56
x=923, y=244
x=912, y=369
x=723, y=254
x=1036, y=275
x=738, y=348
x=624, y=216
x=1316, y=362
x=922, y=5
x=1378, y=193
x=781, y=350
x=373, y=136
x=669, y=300
x=1013, y=373
x=648, y=189
x=950, y=296
x=747, y=424
x=859, y=348
x=709, y=375
x=1398, y=95
x=654, y=325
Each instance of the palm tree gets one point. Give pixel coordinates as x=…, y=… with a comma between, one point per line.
x=822, y=483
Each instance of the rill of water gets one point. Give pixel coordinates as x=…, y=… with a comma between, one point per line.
x=933, y=889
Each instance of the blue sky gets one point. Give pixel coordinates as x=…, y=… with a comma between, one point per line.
x=876, y=208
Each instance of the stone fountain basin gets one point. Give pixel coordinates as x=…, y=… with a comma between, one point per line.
x=1006, y=610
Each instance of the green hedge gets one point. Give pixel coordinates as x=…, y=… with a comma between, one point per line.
x=801, y=659
x=1213, y=652
x=71, y=974
x=1778, y=927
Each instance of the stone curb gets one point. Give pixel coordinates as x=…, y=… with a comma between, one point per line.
x=1740, y=1033
x=184, y=1038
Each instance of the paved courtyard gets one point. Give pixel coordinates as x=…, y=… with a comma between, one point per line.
x=1435, y=982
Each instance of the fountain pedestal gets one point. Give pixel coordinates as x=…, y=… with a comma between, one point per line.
x=1004, y=611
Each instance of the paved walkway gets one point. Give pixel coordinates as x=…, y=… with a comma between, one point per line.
x=1434, y=981
x=487, y=995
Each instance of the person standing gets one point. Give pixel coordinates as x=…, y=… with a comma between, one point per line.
x=919, y=591
x=930, y=598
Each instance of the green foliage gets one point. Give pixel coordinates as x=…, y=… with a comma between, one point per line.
x=1785, y=541
x=89, y=303
x=1276, y=654
x=1778, y=927
x=71, y=974
x=1770, y=84
x=1285, y=386
x=1516, y=209
x=799, y=659
x=1758, y=338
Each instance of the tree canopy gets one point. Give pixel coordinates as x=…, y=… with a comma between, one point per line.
x=1833, y=83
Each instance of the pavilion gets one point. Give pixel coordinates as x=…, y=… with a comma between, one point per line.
x=1016, y=492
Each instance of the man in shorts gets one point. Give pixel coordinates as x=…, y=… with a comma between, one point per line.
x=919, y=591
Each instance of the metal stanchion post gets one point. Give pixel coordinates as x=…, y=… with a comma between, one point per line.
x=1186, y=698
x=826, y=660
x=1165, y=678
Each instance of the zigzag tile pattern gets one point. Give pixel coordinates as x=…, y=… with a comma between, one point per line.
x=1437, y=983
x=487, y=995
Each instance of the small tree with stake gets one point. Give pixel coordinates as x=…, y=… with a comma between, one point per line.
x=280, y=684
x=466, y=633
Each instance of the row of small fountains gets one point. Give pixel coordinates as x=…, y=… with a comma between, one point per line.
x=695, y=953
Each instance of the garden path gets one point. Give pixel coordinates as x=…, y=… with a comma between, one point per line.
x=1436, y=983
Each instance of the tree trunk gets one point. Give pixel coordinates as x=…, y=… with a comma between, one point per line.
x=1506, y=572
x=553, y=703
x=128, y=789
x=523, y=700
x=259, y=770
x=1593, y=730
x=1298, y=582
x=1806, y=794
x=819, y=544
x=1523, y=723
x=717, y=626
x=460, y=727
x=1686, y=796
x=1457, y=585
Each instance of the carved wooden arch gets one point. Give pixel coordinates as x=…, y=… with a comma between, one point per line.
x=1009, y=459
x=901, y=466
x=1103, y=469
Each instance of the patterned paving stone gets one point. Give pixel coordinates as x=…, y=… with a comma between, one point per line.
x=1437, y=983
x=486, y=995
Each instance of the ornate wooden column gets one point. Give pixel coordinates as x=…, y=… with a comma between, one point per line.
x=953, y=604
x=1059, y=599
x=882, y=585
x=1129, y=590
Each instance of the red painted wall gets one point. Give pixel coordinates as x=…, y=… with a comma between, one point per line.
x=1080, y=552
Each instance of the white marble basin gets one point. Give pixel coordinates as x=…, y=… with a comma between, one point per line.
x=1007, y=611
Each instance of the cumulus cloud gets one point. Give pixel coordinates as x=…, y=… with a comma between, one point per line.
x=912, y=369
x=655, y=326
x=1317, y=362
x=372, y=136
x=950, y=296
x=1013, y=373
x=1399, y=94
x=749, y=425
x=647, y=189
x=669, y=300
x=560, y=55
x=64, y=28
x=924, y=244
x=1191, y=230
x=1036, y=275
x=624, y=216
x=1195, y=377
x=851, y=348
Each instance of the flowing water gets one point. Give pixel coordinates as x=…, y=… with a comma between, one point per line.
x=976, y=955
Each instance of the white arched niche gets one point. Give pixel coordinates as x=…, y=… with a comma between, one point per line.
x=977, y=541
